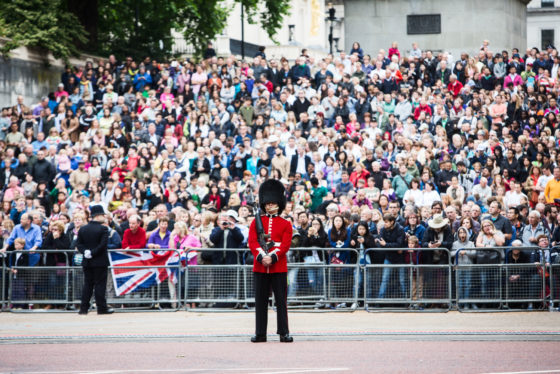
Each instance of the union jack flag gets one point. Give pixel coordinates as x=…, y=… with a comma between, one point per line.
x=145, y=272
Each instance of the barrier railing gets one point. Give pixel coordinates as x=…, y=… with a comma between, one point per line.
x=408, y=279
x=310, y=283
x=138, y=283
x=429, y=279
x=486, y=279
x=554, y=286
x=38, y=284
x=3, y=305
x=208, y=284
x=319, y=280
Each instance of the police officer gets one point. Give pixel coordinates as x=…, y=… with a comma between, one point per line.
x=270, y=266
x=92, y=243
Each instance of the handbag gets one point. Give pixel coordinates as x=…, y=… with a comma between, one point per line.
x=78, y=259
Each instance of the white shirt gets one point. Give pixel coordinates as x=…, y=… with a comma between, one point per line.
x=301, y=165
x=483, y=193
x=290, y=151
x=513, y=199
x=543, y=180
x=413, y=197
x=428, y=198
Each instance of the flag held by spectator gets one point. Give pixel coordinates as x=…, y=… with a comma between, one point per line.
x=134, y=270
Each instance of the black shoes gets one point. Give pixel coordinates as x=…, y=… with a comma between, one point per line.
x=82, y=312
x=262, y=338
x=258, y=339
x=107, y=311
x=286, y=339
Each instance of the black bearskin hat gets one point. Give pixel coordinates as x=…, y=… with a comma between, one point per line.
x=272, y=191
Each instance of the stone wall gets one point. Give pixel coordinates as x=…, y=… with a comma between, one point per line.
x=464, y=24
x=28, y=78
x=31, y=73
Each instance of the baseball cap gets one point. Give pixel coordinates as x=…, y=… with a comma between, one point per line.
x=233, y=214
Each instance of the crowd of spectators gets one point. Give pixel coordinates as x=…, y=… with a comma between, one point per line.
x=389, y=150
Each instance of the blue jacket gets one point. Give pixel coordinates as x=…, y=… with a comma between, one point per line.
x=140, y=83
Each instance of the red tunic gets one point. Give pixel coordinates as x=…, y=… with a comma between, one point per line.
x=280, y=231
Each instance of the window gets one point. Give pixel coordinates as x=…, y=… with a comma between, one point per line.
x=547, y=38
x=423, y=24
x=547, y=3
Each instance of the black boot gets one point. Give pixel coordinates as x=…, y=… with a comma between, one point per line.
x=286, y=339
x=258, y=339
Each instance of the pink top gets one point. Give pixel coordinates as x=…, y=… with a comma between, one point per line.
x=189, y=241
x=63, y=162
x=166, y=96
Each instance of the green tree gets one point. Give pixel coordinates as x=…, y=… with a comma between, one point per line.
x=204, y=19
x=143, y=27
x=45, y=24
x=136, y=27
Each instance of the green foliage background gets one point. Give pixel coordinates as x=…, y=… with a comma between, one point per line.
x=134, y=28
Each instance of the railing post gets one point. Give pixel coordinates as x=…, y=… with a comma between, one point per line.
x=3, y=292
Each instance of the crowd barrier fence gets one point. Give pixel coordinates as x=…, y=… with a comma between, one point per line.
x=425, y=279
x=401, y=279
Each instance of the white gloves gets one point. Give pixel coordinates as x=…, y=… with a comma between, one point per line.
x=87, y=254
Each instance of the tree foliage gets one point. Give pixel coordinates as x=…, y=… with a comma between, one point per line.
x=125, y=27
x=46, y=24
x=142, y=27
x=201, y=21
x=136, y=27
x=271, y=13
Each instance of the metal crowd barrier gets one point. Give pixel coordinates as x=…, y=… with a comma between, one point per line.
x=62, y=285
x=554, y=286
x=310, y=284
x=39, y=284
x=414, y=282
x=212, y=285
x=422, y=282
x=318, y=282
x=492, y=284
x=525, y=283
x=3, y=305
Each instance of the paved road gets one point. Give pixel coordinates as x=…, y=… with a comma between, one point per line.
x=357, y=342
x=301, y=357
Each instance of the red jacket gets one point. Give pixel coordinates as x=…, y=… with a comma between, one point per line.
x=355, y=177
x=419, y=109
x=455, y=88
x=280, y=231
x=134, y=240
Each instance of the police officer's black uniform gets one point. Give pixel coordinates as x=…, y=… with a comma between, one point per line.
x=94, y=237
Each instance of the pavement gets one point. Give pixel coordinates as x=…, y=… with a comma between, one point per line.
x=325, y=342
x=238, y=326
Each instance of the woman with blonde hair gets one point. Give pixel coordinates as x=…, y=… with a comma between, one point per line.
x=182, y=239
x=490, y=238
x=208, y=222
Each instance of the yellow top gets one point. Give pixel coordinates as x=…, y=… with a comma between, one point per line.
x=552, y=190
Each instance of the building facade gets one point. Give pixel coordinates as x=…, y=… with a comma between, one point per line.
x=452, y=26
x=543, y=23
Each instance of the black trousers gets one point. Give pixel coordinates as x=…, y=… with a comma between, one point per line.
x=94, y=278
x=264, y=282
